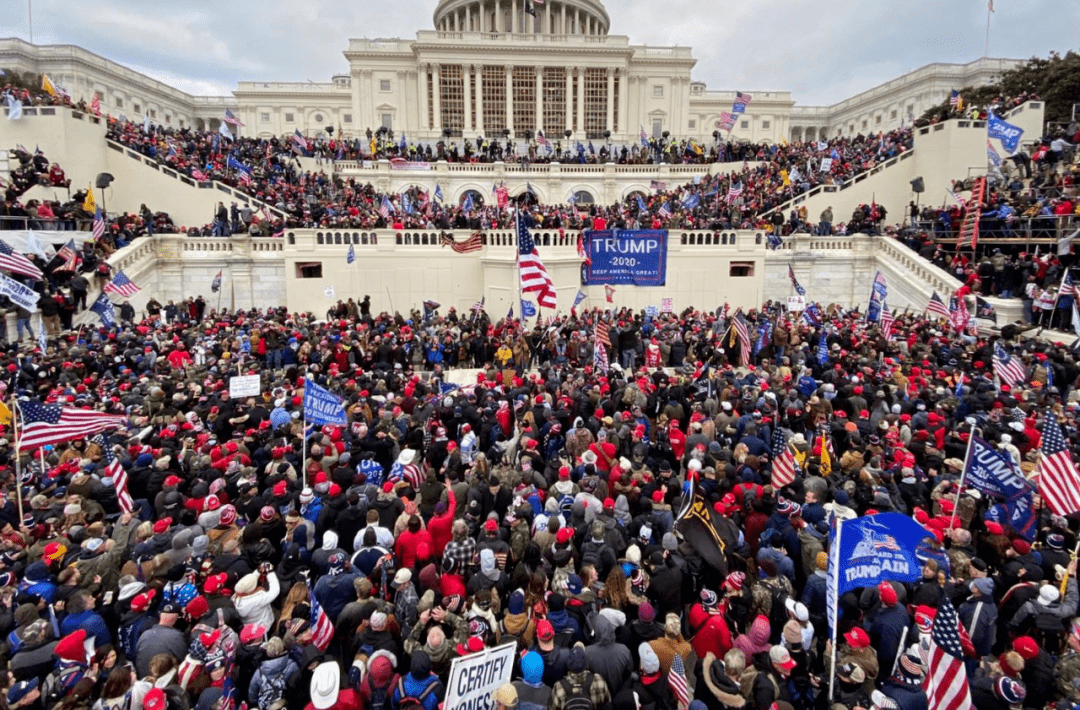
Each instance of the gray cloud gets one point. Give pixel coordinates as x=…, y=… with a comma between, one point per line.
x=823, y=52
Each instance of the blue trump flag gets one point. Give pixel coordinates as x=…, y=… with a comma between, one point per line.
x=528, y=310
x=993, y=473
x=1008, y=134
x=876, y=548
x=104, y=308
x=822, y=350
x=323, y=407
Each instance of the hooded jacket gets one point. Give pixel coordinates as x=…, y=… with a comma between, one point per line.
x=715, y=689
x=610, y=660
x=282, y=665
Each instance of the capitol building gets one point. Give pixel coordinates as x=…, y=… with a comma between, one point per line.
x=502, y=68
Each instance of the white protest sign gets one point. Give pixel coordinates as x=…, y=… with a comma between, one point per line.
x=329, y=292
x=476, y=677
x=244, y=386
x=796, y=303
x=666, y=305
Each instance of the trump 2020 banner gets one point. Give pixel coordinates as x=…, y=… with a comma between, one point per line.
x=623, y=256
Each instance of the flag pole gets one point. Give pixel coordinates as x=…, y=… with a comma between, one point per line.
x=18, y=457
x=835, y=603
x=963, y=473
x=989, y=11
x=1057, y=295
x=303, y=439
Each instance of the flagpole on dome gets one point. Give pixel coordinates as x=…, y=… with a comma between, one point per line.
x=967, y=462
x=834, y=560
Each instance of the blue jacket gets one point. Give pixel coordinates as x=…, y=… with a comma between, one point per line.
x=561, y=620
x=334, y=593
x=92, y=622
x=415, y=688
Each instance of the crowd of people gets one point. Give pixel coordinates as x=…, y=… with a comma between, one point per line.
x=539, y=504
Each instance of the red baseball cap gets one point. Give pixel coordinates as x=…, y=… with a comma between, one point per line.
x=857, y=638
x=544, y=630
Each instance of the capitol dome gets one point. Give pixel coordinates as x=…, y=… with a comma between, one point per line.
x=553, y=17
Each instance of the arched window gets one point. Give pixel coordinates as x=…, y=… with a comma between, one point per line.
x=584, y=197
x=477, y=198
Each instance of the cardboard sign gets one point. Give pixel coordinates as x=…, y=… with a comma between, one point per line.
x=796, y=304
x=245, y=386
x=475, y=678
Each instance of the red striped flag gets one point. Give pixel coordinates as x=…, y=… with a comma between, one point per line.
x=534, y=276
x=475, y=242
x=121, y=285
x=603, y=331
x=51, y=424
x=16, y=263
x=1006, y=367
x=116, y=472
x=887, y=321
x=937, y=307
x=677, y=680
x=744, y=338
x=1059, y=482
x=322, y=629
x=783, y=469
x=946, y=681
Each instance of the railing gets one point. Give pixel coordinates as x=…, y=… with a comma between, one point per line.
x=839, y=187
x=238, y=195
x=384, y=167
x=551, y=238
x=1038, y=229
x=37, y=223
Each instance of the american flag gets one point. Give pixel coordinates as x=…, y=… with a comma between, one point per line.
x=99, y=225
x=1007, y=367
x=479, y=305
x=121, y=285
x=937, y=307
x=534, y=277
x=385, y=208
x=887, y=321
x=664, y=212
x=475, y=242
x=644, y=137
x=69, y=257
x=602, y=332
x=582, y=254
x=231, y=119
x=1059, y=482
x=609, y=293
x=783, y=468
x=17, y=263
x=541, y=140
x=734, y=191
x=954, y=98
x=727, y=120
x=677, y=680
x=794, y=282
x=299, y=140
x=322, y=628
x=95, y=104
x=1068, y=288
x=958, y=313
x=946, y=680
x=744, y=338
x=116, y=472
x=744, y=99
x=600, y=357
x=199, y=175
x=51, y=423
x=410, y=473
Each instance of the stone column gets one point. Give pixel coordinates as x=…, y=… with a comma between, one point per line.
x=624, y=101
x=468, y=18
x=569, y=95
x=546, y=28
x=466, y=72
x=479, y=72
x=562, y=20
x=510, y=98
x=581, y=103
x=436, y=97
x=513, y=16
x=540, y=98
x=498, y=18
x=422, y=85
x=611, y=99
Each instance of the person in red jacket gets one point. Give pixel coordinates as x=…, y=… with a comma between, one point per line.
x=408, y=542
x=441, y=524
x=604, y=451
x=711, y=632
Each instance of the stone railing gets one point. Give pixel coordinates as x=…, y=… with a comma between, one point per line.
x=839, y=187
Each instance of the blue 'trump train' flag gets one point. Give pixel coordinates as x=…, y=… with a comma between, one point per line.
x=323, y=407
x=875, y=548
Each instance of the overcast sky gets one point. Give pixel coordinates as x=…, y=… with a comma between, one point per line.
x=822, y=51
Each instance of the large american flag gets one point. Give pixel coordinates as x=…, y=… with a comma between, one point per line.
x=1059, y=482
x=541, y=140
x=534, y=277
x=16, y=263
x=231, y=119
x=321, y=627
x=385, y=208
x=602, y=331
x=937, y=307
x=744, y=99
x=299, y=139
x=784, y=467
x=677, y=680
x=119, y=476
x=69, y=257
x=475, y=242
x=1007, y=367
x=1068, y=288
x=744, y=338
x=734, y=191
x=664, y=212
x=121, y=285
x=99, y=225
x=946, y=681
x=887, y=321
x=44, y=424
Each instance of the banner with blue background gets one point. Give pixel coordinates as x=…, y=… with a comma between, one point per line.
x=634, y=257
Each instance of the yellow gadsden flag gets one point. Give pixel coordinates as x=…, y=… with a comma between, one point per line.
x=47, y=85
x=5, y=415
x=90, y=204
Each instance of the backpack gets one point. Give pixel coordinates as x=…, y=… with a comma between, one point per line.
x=578, y=697
x=271, y=691
x=380, y=697
x=408, y=701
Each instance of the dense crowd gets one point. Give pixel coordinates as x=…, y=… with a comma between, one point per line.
x=538, y=505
